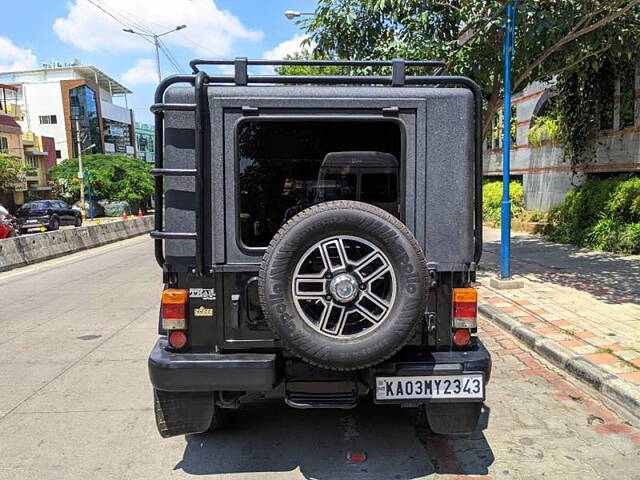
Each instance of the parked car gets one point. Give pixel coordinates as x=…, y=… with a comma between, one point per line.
x=47, y=213
x=98, y=209
x=324, y=249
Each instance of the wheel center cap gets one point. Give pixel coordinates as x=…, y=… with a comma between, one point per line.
x=343, y=287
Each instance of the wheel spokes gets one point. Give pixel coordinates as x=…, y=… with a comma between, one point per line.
x=333, y=317
x=374, y=265
x=316, y=301
x=307, y=287
x=334, y=255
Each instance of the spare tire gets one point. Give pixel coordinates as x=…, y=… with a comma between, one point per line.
x=343, y=285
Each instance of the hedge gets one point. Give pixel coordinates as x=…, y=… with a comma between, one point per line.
x=601, y=214
x=492, y=200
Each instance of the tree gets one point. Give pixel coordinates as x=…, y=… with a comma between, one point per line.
x=11, y=172
x=113, y=177
x=552, y=37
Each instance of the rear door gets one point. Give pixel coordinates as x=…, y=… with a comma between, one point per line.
x=268, y=149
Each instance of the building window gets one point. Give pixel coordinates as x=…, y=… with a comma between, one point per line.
x=84, y=108
x=33, y=163
x=4, y=145
x=48, y=119
x=58, y=154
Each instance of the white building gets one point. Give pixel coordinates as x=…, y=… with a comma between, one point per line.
x=54, y=99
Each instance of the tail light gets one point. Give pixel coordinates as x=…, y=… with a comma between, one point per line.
x=174, y=309
x=177, y=339
x=465, y=308
x=461, y=337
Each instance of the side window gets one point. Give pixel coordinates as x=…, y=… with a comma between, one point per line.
x=4, y=145
x=379, y=187
x=48, y=119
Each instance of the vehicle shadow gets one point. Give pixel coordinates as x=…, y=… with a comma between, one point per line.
x=268, y=436
x=609, y=277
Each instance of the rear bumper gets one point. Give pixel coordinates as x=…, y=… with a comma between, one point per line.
x=37, y=224
x=205, y=372
x=259, y=372
x=475, y=360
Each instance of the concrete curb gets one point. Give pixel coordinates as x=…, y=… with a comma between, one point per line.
x=611, y=386
x=28, y=249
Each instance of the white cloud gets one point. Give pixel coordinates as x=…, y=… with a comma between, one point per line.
x=210, y=31
x=143, y=72
x=287, y=47
x=14, y=58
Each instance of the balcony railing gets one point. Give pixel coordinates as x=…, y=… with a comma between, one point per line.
x=12, y=110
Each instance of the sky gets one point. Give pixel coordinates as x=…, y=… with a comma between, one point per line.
x=42, y=31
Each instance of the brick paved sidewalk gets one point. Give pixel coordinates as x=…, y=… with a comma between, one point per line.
x=586, y=302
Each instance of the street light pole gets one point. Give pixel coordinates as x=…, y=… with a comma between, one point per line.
x=80, y=168
x=156, y=42
x=291, y=14
x=505, y=218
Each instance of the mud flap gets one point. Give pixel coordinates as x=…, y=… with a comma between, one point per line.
x=453, y=418
x=179, y=413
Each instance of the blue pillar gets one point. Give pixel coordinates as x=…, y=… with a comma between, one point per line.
x=505, y=240
x=87, y=174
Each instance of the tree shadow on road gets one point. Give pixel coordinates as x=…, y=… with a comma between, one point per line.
x=269, y=437
x=609, y=277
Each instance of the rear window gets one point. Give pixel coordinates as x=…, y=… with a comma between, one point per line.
x=31, y=206
x=379, y=187
x=283, y=168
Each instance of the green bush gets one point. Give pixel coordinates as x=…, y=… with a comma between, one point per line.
x=492, y=200
x=602, y=214
x=629, y=240
x=544, y=128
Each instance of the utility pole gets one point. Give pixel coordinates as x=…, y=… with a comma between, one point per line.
x=156, y=42
x=80, y=167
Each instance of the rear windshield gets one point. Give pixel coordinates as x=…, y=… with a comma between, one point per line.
x=31, y=206
x=283, y=168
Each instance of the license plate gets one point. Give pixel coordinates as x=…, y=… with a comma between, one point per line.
x=426, y=387
x=31, y=221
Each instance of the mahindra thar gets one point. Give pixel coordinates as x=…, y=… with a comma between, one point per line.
x=318, y=238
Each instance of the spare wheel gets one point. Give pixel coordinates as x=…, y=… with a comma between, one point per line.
x=343, y=285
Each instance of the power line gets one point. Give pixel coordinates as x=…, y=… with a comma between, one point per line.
x=169, y=55
x=145, y=33
x=180, y=34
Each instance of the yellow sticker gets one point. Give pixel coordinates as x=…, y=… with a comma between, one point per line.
x=203, y=312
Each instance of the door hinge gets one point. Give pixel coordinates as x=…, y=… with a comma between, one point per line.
x=247, y=110
x=391, y=111
x=430, y=319
x=432, y=270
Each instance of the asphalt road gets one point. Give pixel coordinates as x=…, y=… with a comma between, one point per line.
x=75, y=401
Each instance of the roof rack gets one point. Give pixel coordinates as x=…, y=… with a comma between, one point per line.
x=200, y=80
x=398, y=67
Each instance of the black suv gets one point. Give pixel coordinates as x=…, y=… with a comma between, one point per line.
x=47, y=213
x=319, y=238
